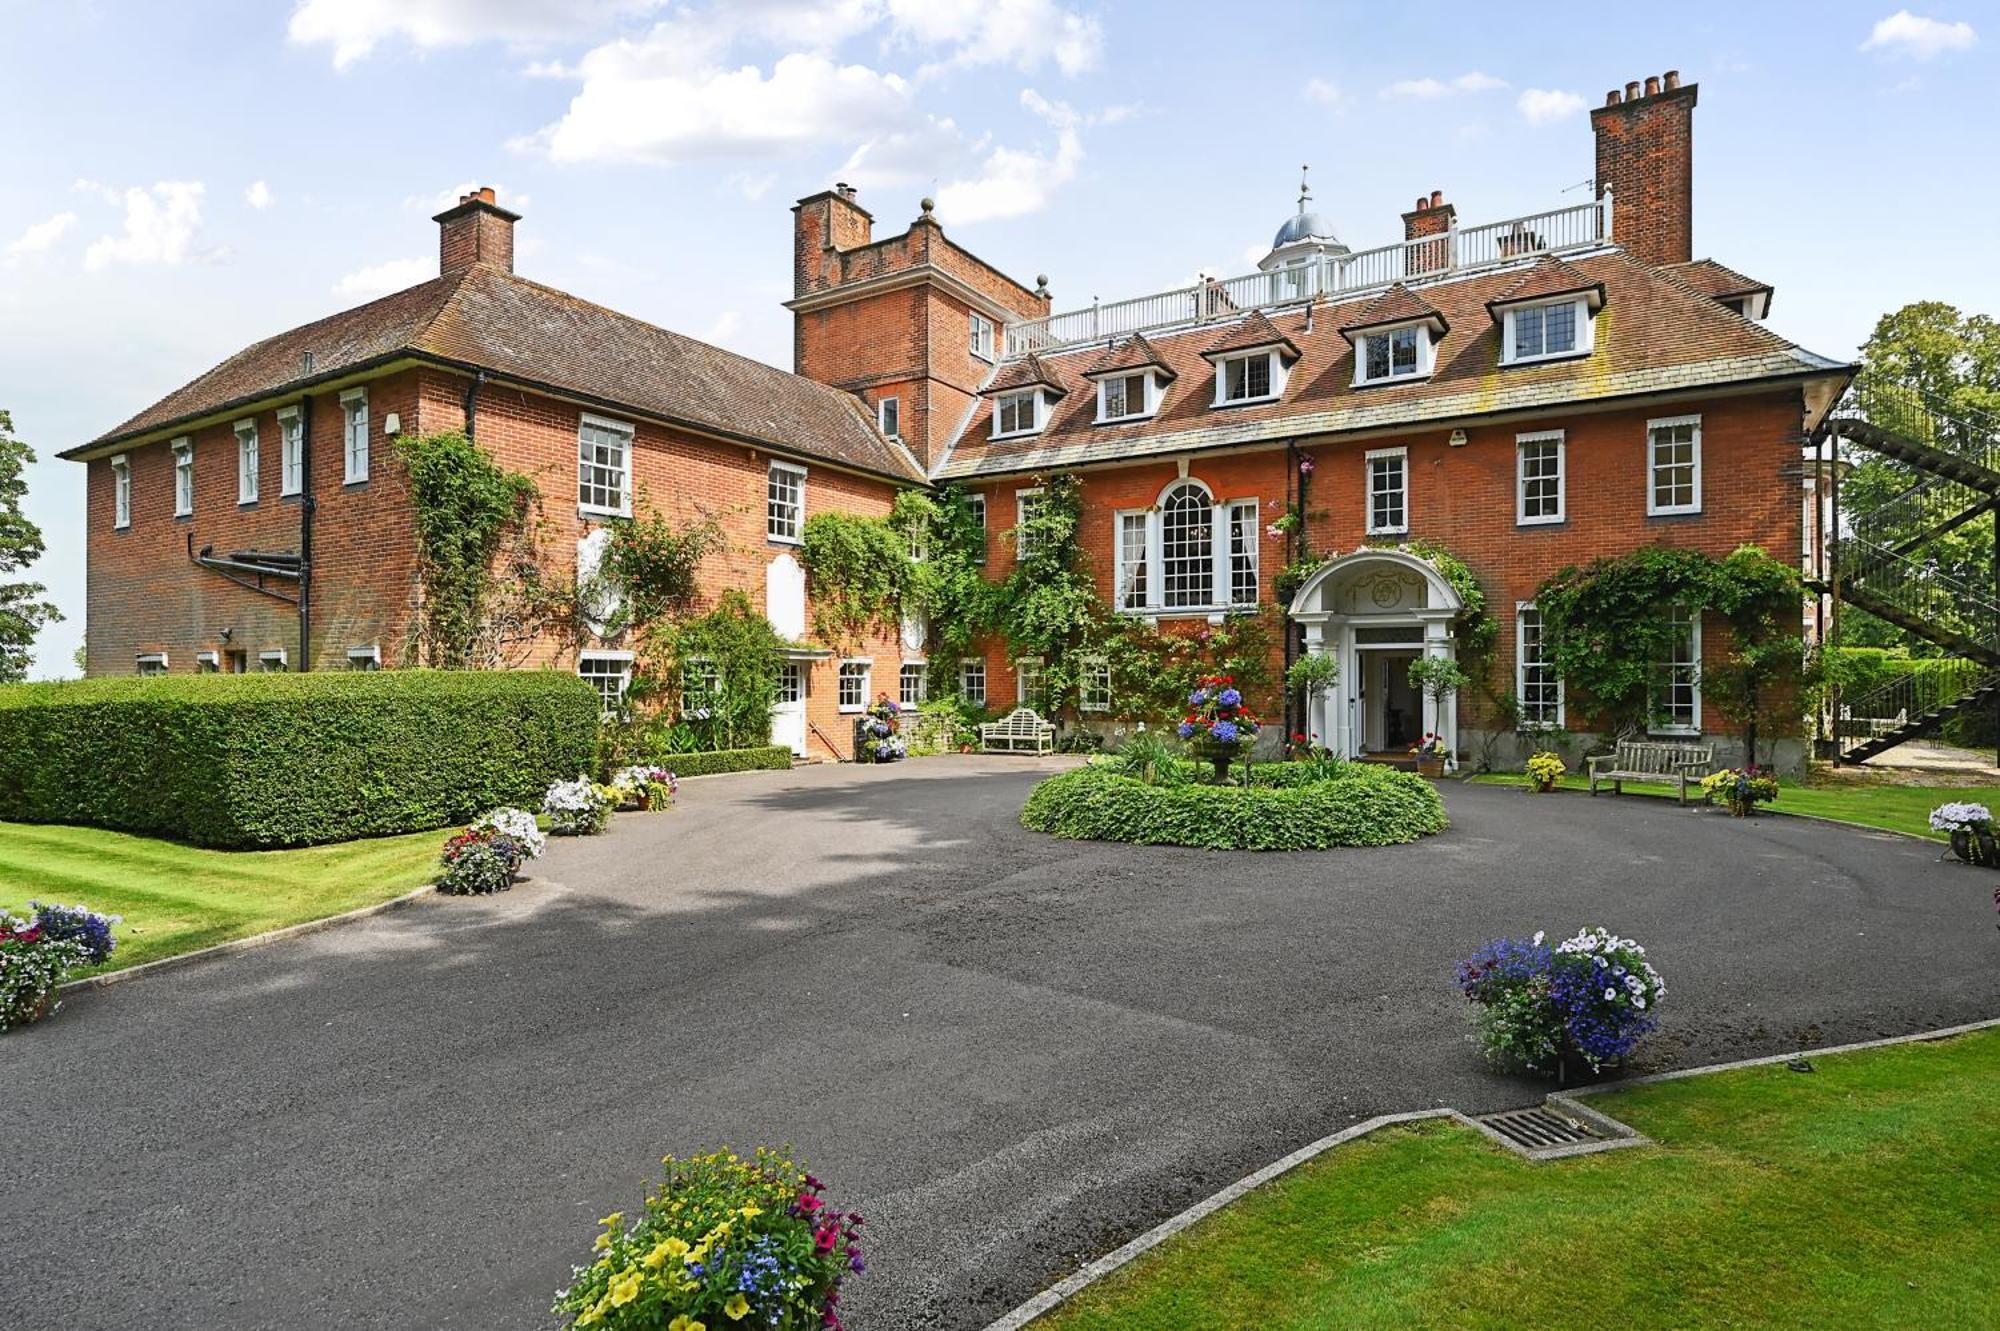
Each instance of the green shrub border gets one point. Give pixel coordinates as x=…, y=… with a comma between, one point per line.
x=239, y=761
x=767, y=758
x=1283, y=809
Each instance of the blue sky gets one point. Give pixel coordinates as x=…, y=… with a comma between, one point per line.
x=184, y=179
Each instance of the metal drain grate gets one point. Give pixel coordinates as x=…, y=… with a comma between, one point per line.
x=1538, y=1129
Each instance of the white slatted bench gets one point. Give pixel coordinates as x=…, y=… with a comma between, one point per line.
x=1021, y=731
x=1642, y=760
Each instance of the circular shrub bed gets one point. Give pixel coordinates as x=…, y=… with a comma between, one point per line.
x=1286, y=806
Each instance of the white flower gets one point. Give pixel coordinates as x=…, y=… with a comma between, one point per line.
x=1538, y=937
x=1610, y=995
x=1639, y=1001
x=518, y=824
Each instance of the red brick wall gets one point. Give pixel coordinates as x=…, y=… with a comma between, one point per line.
x=1464, y=499
x=683, y=476
x=144, y=595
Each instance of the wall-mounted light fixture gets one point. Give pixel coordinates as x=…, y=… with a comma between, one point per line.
x=1457, y=439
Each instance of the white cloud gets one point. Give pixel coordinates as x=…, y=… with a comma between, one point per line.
x=1026, y=34
x=39, y=238
x=258, y=196
x=1545, y=106
x=1904, y=33
x=644, y=101
x=160, y=224
x=380, y=280
x=1325, y=92
x=355, y=27
x=1011, y=182
x=1432, y=88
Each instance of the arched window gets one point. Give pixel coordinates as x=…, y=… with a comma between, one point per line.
x=1187, y=546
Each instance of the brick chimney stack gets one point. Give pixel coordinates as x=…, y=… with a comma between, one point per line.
x=823, y=226
x=476, y=230
x=1645, y=157
x=1431, y=217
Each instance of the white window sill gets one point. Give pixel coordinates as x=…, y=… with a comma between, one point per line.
x=183, y=512
x=1555, y=521
x=852, y=709
x=598, y=511
x=1388, y=531
x=1679, y=512
x=1413, y=377
x=782, y=540
x=121, y=526
x=1246, y=401
x=1125, y=419
x=1578, y=354
x=1677, y=732
x=293, y=493
x=1187, y=611
x=1014, y=434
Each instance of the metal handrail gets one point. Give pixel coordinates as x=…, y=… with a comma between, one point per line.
x=1907, y=698
x=1449, y=253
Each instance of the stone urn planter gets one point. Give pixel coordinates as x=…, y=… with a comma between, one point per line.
x=1976, y=846
x=1218, y=755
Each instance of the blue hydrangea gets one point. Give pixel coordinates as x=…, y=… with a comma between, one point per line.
x=1198, y=697
x=1185, y=730
x=1230, y=698
x=1223, y=732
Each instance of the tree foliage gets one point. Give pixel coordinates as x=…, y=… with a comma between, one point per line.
x=23, y=605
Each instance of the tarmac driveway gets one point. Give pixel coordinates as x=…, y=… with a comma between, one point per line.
x=1012, y=1053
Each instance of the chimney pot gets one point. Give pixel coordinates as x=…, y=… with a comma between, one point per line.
x=1653, y=86
x=1673, y=79
x=1632, y=91
x=1423, y=204
x=1437, y=198
x=1611, y=98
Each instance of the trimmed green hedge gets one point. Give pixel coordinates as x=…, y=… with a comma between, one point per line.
x=1285, y=808
x=291, y=759
x=771, y=757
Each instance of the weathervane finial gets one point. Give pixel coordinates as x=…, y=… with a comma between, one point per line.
x=1305, y=189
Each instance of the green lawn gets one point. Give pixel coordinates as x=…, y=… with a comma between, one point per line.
x=1892, y=807
x=1865, y=1194
x=176, y=898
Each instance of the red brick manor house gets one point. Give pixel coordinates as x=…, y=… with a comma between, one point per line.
x=1529, y=394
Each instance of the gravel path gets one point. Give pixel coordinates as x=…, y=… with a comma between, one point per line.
x=1011, y=1052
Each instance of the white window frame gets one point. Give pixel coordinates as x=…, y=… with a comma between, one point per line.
x=274, y=660
x=1021, y=501
x=889, y=416
x=208, y=662
x=1133, y=573
x=772, y=527
x=291, y=452
x=701, y=682
x=1037, y=410
x=1152, y=600
x=977, y=503
x=1246, y=514
x=966, y=666
x=366, y=657
x=1277, y=383
x=980, y=336
x=1093, y=692
x=1535, y=439
x=1653, y=507
x=1586, y=331
x=865, y=675
x=623, y=674
x=354, y=435
x=121, y=491
x=1149, y=402
x=1026, y=668
x=922, y=668
x=587, y=422
x=1523, y=609
x=1426, y=360
x=150, y=663
x=247, y=460
x=183, y=451
x=1402, y=454
x=1693, y=726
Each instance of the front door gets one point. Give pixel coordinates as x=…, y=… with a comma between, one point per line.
x=788, y=714
x=1392, y=715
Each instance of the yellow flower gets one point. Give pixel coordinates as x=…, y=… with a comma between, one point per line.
x=625, y=1290
x=738, y=1307
x=603, y=1241
x=686, y=1323
x=611, y=1221
x=589, y=1317
x=751, y=1212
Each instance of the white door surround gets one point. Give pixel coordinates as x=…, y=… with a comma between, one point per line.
x=788, y=713
x=1376, y=601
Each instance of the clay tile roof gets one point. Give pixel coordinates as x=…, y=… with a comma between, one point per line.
x=1397, y=305
x=1255, y=331
x=1713, y=279
x=1134, y=353
x=487, y=318
x=1027, y=372
x=1550, y=277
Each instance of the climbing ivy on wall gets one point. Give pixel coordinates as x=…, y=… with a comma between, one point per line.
x=1607, y=626
x=858, y=572
x=466, y=508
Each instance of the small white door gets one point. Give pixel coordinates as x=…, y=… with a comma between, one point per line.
x=788, y=714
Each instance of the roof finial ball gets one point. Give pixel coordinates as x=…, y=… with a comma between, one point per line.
x=1041, y=284
x=928, y=204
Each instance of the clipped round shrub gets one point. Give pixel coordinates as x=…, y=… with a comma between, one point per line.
x=1286, y=806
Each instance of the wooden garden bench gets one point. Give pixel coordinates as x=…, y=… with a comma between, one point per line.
x=1021, y=731
x=1642, y=760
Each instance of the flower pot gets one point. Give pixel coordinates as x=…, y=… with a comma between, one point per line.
x=1976, y=846
x=1544, y=787
x=1431, y=767
x=1741, y=808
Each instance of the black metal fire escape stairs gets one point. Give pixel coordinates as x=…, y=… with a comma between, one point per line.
x=1877, y=563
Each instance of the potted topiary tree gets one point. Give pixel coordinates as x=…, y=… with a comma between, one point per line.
x=1437, y=678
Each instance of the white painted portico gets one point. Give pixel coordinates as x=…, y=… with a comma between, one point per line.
x=1359, y=602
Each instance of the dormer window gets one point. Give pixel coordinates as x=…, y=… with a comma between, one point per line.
x=1254, y=377
x=1125, y=397
x=1393, y=353
x=1542, y=332
x=1017, y=413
